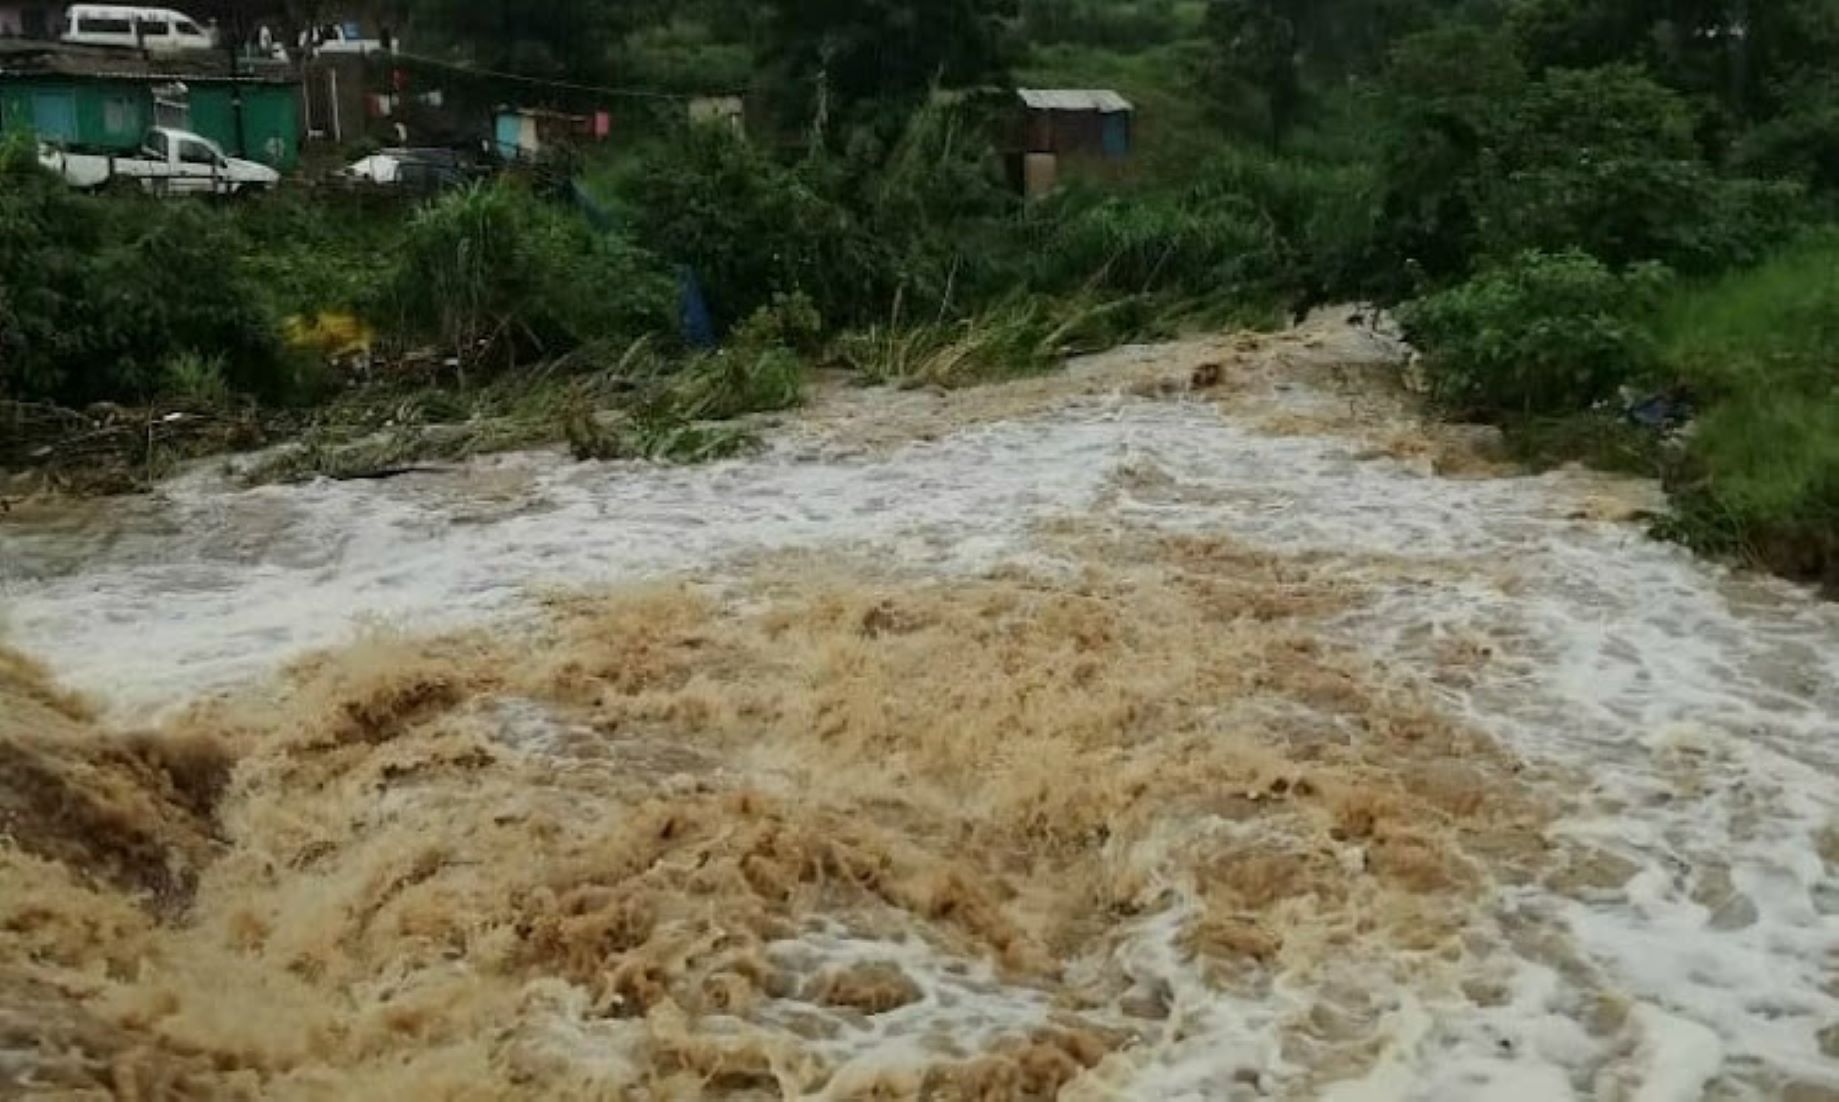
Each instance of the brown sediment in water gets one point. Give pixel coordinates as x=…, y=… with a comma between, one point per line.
x=131, y=811
x=575, y=863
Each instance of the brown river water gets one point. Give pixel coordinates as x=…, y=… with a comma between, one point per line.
x=1197, y=723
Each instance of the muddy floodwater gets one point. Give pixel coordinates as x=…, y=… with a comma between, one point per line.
x=1197, y=723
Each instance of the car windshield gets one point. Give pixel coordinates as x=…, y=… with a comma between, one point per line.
x=194, y=152
x=186, y=26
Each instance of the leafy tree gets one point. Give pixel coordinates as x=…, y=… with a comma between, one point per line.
x=553, y=38
x=1742, y=53
x=1802, y=142
x=1121, y=25
x=832, y=57
x=1447, y=91
x=1258, y=52
x=1606, y=159
x=750, y=227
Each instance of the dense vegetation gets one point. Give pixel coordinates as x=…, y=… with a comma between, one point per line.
x=1577, y=204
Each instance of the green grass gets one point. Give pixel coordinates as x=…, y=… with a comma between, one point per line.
x=1018, y=337
x=1773, y=326
x=1761, y=349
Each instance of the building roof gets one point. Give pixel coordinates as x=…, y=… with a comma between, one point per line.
x=1101, y=100
x=20, y=57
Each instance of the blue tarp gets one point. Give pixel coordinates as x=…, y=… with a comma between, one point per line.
x=693, y=316
x=694, y=321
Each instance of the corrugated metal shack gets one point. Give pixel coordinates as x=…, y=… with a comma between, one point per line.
x=1076, y=122
x=1062, y=124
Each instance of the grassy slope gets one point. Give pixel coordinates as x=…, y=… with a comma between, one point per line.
x=1761, y=349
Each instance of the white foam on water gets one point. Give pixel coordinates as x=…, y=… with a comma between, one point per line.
x=962, y=1007
x=1697, y=710
x=180, y=598
x=1701, y=708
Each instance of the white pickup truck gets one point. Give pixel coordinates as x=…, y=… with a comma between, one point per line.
x=170, y=162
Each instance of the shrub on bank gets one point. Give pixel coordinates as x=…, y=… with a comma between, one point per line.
x=1545, y=333
x=750, y=227
x=496, y=276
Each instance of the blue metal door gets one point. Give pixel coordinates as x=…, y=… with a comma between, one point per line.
x=510, y=135
x=1117, y=134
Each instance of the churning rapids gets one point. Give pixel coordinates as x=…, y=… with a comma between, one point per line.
x=1194, y=724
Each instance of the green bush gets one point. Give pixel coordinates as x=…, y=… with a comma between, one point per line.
x=497, y=276
x=1547, y=333
x=751, y=228
x=319, y=254
x=941, y=208
x=195, y=379
x=97, y=294
x=1213, y=244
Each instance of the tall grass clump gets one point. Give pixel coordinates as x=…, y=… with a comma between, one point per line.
x=941, y=208
x=1023, y=335
x=761, y=370
x=1250, y=230
x=495, y=276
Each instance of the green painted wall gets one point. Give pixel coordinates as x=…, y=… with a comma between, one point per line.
x=273, y=119
x=212, y=116
x=113, y=115
x=106, y=114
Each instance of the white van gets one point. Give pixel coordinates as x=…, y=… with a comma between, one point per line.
x=160, y=30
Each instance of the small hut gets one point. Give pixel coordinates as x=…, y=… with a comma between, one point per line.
x=527, y=133
x=1059, y=124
